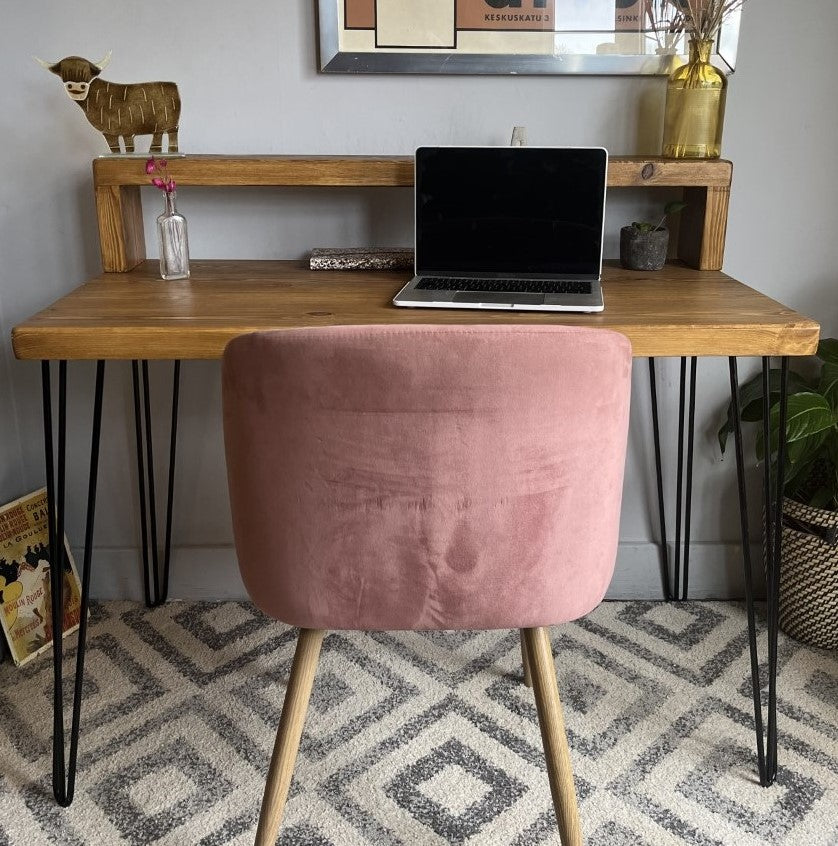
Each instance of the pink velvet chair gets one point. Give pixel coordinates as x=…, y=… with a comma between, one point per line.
x=426, y=477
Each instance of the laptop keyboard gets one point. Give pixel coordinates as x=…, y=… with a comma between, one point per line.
x=514, y=286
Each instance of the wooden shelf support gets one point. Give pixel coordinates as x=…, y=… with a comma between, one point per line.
x=701, y=243
x=119, y=210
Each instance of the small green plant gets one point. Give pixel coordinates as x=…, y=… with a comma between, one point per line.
x=811, y=462
x=670, y=208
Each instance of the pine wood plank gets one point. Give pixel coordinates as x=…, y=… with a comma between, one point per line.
x=263, y=170
x=673, y=312
x=119, y=212
x=703, y=229
x=207, y=170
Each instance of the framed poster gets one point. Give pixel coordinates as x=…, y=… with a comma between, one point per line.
x=508, y=37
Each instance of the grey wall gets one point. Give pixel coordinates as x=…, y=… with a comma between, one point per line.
x=249, y=82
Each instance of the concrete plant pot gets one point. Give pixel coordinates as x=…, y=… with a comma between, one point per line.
x=643, y=250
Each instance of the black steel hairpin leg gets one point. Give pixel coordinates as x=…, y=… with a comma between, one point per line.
x=773, y=557
x=155, y=578
x=683, y=496
x=689, y=491
x=773, y=507
x=63, y=769
x=746, y=555
x=667, y=590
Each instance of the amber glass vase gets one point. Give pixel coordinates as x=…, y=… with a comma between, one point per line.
x=695, y=107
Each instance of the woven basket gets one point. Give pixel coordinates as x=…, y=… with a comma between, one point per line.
x=809, y=575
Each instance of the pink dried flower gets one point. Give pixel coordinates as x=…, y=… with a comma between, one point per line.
x=164, y=182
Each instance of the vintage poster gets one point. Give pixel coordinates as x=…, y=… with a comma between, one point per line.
x=452, y=25
x=26, y=611
x=504, y=36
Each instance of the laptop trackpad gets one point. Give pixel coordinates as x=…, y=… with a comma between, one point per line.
x=497, y=297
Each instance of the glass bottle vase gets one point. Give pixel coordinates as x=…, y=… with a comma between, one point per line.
x=172, y=241
x=695, y=106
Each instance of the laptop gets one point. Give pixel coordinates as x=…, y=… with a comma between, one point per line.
x=508, y=228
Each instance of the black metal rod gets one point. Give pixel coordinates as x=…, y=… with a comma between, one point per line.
x=155, y=577
x=152, y=504
x=773, y=611
x=167, y=549
x=56, y=565
x=667, y=590
x=63, y=771
x=138, y=429
x=680, y=477
x=689, y=491
x=768, y=517
x=768, y=535
x=748, y=568
x=57, y=693
x=85, y=586
x=49, y=460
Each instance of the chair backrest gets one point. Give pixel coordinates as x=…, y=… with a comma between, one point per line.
x=426, y=477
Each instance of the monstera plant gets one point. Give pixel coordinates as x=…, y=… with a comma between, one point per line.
x=811, y=462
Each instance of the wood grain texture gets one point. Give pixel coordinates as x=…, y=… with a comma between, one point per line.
x=119, y=212
x=263, y=170
x=117, y=181
x=673, y=312
x=623, y=171
x=288, y=735
x=703, y=229
x=551, y=721
x=525, y=661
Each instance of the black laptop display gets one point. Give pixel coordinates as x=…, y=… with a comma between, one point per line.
x=522, y=221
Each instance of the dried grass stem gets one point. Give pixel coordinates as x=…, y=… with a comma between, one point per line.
x=703, y=18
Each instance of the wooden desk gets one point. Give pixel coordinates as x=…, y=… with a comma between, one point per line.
x=688, y=310
x=674, y=312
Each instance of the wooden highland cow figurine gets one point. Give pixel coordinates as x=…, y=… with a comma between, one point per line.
x=117, y=109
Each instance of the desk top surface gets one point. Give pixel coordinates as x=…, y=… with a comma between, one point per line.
x=673, y=312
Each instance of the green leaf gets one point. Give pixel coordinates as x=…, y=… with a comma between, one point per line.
x=807, y=414
x=804, y=450
x=828, y=350
x=750, y=399
x=822, y=498
x=751, y=405
x=793, y=480
x=748, y=393
x=828, y=385
x=802, y=459
x=674, y=207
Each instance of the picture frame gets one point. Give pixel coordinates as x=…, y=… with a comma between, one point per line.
x=525, y=37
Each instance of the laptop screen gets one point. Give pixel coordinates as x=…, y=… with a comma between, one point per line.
x=510, y=210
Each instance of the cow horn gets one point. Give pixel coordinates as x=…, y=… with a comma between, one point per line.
x=104, y=61
x=43, y=64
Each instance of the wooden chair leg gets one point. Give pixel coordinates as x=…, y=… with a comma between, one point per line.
x=553, y=735
x=525, y=661
x=288, y=735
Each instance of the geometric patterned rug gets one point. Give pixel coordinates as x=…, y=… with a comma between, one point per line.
x=423, y=738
